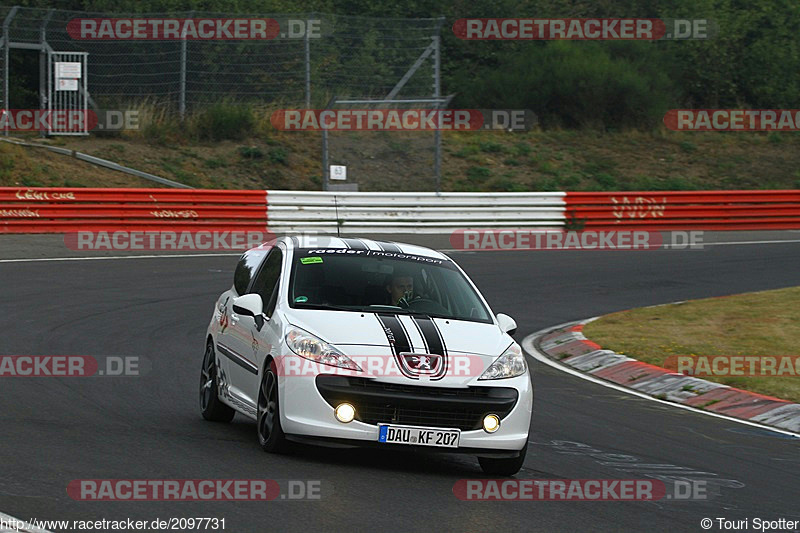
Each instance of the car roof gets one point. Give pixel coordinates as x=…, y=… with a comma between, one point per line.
x=357, y=243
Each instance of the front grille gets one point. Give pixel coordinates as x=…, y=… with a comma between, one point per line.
x=387, y=403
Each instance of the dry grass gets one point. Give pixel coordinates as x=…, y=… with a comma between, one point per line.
x=761, y=323
x=472, y=161
x=36, y=167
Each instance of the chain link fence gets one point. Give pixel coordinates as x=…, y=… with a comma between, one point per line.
x=348, y=56
x=312, y=60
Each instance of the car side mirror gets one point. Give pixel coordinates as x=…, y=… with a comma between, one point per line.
x=505, y=322
x=248, y=305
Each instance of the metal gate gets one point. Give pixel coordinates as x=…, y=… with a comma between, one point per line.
x=67, y=93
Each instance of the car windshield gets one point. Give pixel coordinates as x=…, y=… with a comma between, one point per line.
x=373, y=281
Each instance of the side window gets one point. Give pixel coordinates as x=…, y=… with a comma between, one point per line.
x=266, y=282
x=246, y=269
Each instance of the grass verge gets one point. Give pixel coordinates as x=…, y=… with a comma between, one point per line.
x=236, y=147
x=755, y=324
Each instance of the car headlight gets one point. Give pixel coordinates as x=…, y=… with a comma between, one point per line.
x=509, y=365
x=311, y=347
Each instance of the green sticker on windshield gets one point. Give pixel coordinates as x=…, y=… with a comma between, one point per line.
x=301, y=299
x=310, y=260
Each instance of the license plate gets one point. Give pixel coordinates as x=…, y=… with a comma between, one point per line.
x=446, y=438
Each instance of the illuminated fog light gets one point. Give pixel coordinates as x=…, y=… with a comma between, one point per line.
x=346, y=413
x=490, y=423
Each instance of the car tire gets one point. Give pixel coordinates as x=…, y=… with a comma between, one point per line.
x=503, y=467
x=268, y=420
x=210, y=405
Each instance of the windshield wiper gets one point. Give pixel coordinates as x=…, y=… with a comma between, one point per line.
x=329, y=307
x=404, y=311
x=429, y=315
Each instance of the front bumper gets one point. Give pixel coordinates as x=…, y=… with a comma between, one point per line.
x=307, y=410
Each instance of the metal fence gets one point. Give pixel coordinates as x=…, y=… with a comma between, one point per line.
x=349, y=56
x=386, y=59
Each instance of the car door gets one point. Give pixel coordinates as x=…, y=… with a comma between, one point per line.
x=256, y=336
x=231, y=334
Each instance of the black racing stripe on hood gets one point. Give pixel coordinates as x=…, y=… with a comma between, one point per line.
x=434, y=340
x=398, y=339
x=395, y=333
x=431, y=334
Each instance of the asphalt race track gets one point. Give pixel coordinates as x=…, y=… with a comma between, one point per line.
x=54, y=430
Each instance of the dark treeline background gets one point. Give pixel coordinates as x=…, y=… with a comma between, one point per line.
x=753, y=62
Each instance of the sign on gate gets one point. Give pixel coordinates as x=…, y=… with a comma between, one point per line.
x=67, y=93
x=69, y=69
x=67, y=75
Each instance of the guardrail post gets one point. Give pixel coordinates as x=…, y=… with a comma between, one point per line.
x=43, y=65
x=182, y=94
x=437, y=93
x=307, y=45
x=6, y=39
x=325, y=169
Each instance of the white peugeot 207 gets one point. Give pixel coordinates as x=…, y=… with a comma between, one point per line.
x=341, y=341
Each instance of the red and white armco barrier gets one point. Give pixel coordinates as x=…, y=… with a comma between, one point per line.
x=31, y=210
x=678, y=210
x=412, y=212
x=62, y=210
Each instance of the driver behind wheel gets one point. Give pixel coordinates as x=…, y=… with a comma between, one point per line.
x=400, y=289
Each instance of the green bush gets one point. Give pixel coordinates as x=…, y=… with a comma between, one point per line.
x=278, y=155
x=607, y=182
x=222, y=121
x=506, y=184
x=6, y=165
x=575, y=84
x=522, y=148
x=162, y=132
x=678, y=184
x=491, y=147
x=214, y=162
x=570, y=181
x=478, y=175
x=775, y=137
x=467, y=151
x=250, y=152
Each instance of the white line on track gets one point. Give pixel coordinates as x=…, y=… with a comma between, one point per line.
x=777, y=241
x=108, y=257
x=699, y=247
x=447, y=250
x=21, y=526
x=528, y=346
